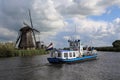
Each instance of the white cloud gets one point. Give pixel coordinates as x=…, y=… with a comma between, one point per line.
x=83, y=8
x=66, y=37
x=52, y=17
x=47, y=19
x=7, y=34
x=117, y=21
x=97, y=31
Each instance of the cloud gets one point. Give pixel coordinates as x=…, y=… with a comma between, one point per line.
x=101, y=33
x=47, y=19
x=56, y=19
x=84, y=8
x=6, y=34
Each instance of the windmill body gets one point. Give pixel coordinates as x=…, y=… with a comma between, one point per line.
x=26, y=38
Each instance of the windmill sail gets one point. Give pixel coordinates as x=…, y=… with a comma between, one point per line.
x=32, y=27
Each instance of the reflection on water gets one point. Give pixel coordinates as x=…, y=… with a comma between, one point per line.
x=106, y=67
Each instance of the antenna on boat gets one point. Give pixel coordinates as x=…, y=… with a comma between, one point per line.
x=75, y=32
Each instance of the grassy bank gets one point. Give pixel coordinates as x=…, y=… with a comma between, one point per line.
x=8, y=50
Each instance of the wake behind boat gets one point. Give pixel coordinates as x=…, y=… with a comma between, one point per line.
x=75, y=54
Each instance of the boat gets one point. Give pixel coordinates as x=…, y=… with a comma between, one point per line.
x=74, y=54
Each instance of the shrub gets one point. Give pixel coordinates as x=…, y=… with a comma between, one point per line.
x=116, y=43
x=8, y=50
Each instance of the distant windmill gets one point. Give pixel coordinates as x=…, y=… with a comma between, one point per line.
x=26, y=38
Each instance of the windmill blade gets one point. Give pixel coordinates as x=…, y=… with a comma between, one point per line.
x=36, y=30
x=25, y=24
x=32, y=27
x=30, y=18
x=18, y=38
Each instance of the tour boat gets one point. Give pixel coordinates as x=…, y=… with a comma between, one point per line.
x=74, y=54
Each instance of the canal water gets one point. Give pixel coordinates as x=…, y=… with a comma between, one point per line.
x=106, y=67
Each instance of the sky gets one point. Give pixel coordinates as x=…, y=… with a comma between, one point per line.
x=94, y=22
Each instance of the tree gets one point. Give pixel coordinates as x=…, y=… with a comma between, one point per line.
x=116, y=43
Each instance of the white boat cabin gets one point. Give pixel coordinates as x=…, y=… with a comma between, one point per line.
x=65, y=54
x=76, y=50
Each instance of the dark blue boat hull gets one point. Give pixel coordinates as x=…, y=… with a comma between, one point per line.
x=79, y=59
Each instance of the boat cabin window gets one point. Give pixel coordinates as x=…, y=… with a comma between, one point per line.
x=65, y=54
x=70, y=54
x=59, y=54
x=53, y=54
x=73, y=54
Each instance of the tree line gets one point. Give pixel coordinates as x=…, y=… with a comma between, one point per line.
x=115, y=47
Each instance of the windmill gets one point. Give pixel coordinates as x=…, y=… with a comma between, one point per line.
x=26, y=38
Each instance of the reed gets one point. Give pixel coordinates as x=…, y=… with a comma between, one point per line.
x=29, y=52
x=8, y=50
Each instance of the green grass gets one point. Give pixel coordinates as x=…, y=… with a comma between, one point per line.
x=8, y=50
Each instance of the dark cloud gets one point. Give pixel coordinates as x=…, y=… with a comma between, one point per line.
x=14, y=12
x=12, y=15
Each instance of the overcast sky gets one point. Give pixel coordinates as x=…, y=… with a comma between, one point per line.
x=95, y=22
